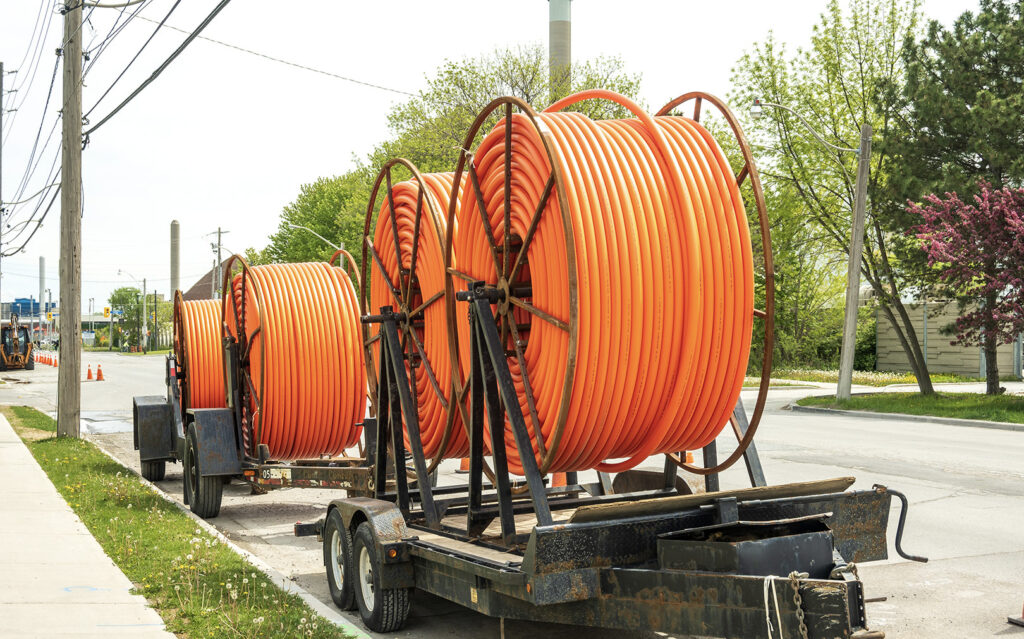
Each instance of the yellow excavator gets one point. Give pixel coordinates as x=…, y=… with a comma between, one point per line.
x=15, y=346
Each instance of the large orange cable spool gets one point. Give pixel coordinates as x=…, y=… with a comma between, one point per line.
x=630, y=312
x=198, y=352
x=302, y=376
x=404, y=262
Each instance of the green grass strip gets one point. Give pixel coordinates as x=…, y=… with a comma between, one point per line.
x=993, y=408
x=874, y=378
x=199, y=586
x=31, y=418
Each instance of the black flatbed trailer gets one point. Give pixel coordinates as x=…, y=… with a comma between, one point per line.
x=210, y=443
x=761, y=562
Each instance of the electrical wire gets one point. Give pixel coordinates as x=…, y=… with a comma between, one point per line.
x=192, y=36
x=134, y=57
x=664, y=267
x=34, y=195
x=291, y=64
x=304, y=375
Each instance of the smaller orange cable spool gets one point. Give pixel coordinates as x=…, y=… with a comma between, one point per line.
x=403, y=263
x=198, y=351
x=302, y=376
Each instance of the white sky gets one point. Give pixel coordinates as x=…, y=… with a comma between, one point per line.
x=226, y=138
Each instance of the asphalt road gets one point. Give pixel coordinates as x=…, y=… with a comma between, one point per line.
x=966, y=487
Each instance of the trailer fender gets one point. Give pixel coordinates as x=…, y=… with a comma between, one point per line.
x=389, y=531
x=217, y=446
x=152, y=428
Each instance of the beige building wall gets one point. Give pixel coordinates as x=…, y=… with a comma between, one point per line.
x=942, y=357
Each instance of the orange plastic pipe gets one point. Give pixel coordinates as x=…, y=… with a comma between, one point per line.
x=432, y=407
x=665, y=277
x=306, y=362
x=198, y=349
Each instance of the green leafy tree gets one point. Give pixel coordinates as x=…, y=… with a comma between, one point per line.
x=332, y=207
x=959, y=117
x=837, y=85
x=430, y=128
x=962, y=104
x=126, y=327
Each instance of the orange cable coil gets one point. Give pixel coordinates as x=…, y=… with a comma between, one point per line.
x=432, y=402
x=665, y=281
x=198, y=351
x=305, y=378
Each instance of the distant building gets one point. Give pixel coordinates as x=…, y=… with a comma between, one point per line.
x=929, y=319
x=201, y=289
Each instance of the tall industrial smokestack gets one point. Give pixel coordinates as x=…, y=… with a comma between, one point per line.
x=559, y=47
x=175, y=260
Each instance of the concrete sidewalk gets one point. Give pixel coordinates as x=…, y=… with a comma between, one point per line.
x=57, y=581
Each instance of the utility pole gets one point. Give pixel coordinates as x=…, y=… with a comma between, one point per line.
x=2, y=209
x=145, y=319
x=213, y=280
x=69, y=390
x=853, y=267
x=219, y=262
x=42, y=288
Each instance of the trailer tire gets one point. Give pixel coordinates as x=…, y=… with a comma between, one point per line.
x=203, y=493
x=338, y=560
x=154, y=470
x=382, y=610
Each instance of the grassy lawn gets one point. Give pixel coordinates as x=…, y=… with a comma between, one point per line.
x=200, y=587
x=998, y=408
x=755, y=382
x=872, y=378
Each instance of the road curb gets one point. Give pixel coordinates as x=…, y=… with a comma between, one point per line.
x=904, y=417
x=327, y=612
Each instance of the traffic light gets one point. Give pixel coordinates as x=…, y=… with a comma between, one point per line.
x=106, y=311
x=49, y=316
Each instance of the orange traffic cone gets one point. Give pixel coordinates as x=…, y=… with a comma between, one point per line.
x=463, y=466
x=557, y=479
x=99, y=373
x=88, y=372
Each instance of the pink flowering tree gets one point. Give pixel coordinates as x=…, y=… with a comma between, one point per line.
x=977, y=251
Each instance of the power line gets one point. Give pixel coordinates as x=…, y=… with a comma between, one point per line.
x=134, y=58
x=114, y=31
x=36, y=194
x=39, y=132
x=160, y=69
x=25, y=80
x=56, y=193
x=291, y=64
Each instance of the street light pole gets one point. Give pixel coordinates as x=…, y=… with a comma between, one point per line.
x=853, y=268
x=849, y=344
x=306, y=228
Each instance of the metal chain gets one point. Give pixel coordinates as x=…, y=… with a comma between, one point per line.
x=794, y=583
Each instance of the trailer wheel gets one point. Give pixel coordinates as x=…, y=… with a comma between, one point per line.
x=382, y=610
x=338, y=560
x=154, y=470
x=203, y=493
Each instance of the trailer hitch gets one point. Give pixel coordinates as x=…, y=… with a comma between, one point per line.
x=899, y=526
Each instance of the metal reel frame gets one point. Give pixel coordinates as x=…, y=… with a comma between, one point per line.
x=247, y=389
x=749, y=170
x=181, y=356
x=403, y=294
x=509, y=269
